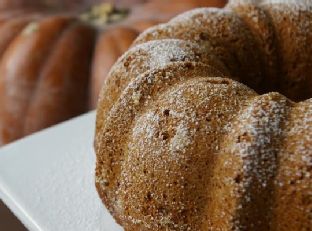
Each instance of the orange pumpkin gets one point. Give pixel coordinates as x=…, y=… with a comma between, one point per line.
x=53, y=65
x=72, y=5
x=42, y=80
x=14, y=4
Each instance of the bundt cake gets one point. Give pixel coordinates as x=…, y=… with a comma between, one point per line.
x=193, y=131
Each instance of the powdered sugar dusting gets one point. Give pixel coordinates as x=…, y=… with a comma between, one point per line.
x=162, y=141
x=175, y=144
x=302, y=4
x=257, y=147
x=181, y=139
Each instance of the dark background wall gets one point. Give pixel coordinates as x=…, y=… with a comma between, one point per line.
x=8, y=222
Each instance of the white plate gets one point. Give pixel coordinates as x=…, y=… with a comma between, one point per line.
x=47, y=179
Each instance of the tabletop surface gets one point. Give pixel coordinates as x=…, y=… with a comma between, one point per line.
x=47, y=179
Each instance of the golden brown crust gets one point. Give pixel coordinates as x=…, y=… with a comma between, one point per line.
x=259, y=23
x=293, y=207
x=294, y=32
x=179, y=148
x=135, y=98
x=220, y=29
x=144, y=58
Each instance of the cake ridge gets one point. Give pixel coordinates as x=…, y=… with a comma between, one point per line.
x=170, y=50
x=133, y=96
x=183, y=144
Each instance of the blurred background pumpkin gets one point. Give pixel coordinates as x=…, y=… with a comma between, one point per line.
x=55, y=55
